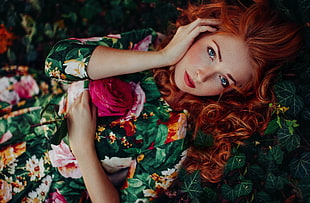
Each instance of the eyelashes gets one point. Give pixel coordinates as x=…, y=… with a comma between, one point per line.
x=212, y=54
x=224, y=81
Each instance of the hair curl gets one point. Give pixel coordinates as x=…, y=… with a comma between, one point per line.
x=235, y=115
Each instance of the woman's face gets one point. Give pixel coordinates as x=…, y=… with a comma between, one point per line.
x=213, y=62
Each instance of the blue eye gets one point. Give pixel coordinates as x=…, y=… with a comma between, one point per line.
x=211, y=53
x=224, y=81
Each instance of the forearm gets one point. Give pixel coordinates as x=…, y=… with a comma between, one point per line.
x=98, y=185
x=106, y=62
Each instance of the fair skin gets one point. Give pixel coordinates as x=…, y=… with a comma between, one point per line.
x=136, y=61
x=212, y=63
x=81, y=136
x=177, y=53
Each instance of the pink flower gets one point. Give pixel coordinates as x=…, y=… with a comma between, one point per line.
x=115, y=36
x=26, y=87
x=56, y=197
x=62, y=158
x=74, y=90
x=139, y=101
x=144, y=44
x=6, y=94
x=5, y=137
x=113, y=97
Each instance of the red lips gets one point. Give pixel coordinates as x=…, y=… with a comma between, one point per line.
x=188, y=81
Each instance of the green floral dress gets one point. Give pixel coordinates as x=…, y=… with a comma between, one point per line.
x=142, y=133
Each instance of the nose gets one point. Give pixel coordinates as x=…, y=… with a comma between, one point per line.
x=204, y=73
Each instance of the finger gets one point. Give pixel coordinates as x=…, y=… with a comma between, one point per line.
x=85, y=97
x=201, y=21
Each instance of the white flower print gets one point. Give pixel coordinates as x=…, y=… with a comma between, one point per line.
x=75, y=68
x=35, y=168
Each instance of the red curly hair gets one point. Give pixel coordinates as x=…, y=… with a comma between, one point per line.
x=237, y=114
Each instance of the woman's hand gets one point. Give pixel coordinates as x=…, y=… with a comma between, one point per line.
x=82, y=129
x=185, y=36
x=82, y=123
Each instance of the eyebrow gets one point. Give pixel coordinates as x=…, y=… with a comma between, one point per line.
x=220, y=59
x=218, y=50
x=232, y=78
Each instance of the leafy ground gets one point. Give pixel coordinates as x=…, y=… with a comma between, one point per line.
x=273, y=168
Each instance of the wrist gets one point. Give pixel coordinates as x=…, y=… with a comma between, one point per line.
x=82, y=149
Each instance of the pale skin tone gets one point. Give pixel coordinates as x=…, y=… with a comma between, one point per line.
x=213, y=63
x=176, y=53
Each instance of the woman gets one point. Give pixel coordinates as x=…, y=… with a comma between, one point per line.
x=221, y=65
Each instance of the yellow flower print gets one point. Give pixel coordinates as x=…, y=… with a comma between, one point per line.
x=5, y=191
x=140, y=157
x=125, y=142
x=149, y=193
x=101, y=128
x=48, y=65
x=112, y=137
x=10, y=153
x=75, y=68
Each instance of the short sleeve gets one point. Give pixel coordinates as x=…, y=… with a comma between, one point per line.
x=69, y=58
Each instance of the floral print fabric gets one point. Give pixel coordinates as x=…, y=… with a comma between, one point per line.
x=139, y=131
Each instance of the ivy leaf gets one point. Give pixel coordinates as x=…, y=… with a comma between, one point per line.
x=192, y=185
x=306, y=113
x=272, y=127
x=275, y=183
x=276, y=154
x=262, y=197
x=208, y=195
x=203, y=140
x=288, y=140
x=300, y=168
x=286, y=94
x=244, y=188
x=228, y=192
x=236, y=161
x=256, y=172
x=304, y=186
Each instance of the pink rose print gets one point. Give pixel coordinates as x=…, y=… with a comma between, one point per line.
x=74, y=90
x=62, y=158
x=139, y=101
x=26, y=87
x=144, y=44
x=56, y=197
x=5, y=137
x=6, y=93
x=114, y=97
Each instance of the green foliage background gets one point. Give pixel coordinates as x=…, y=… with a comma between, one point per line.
x=273, y=168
